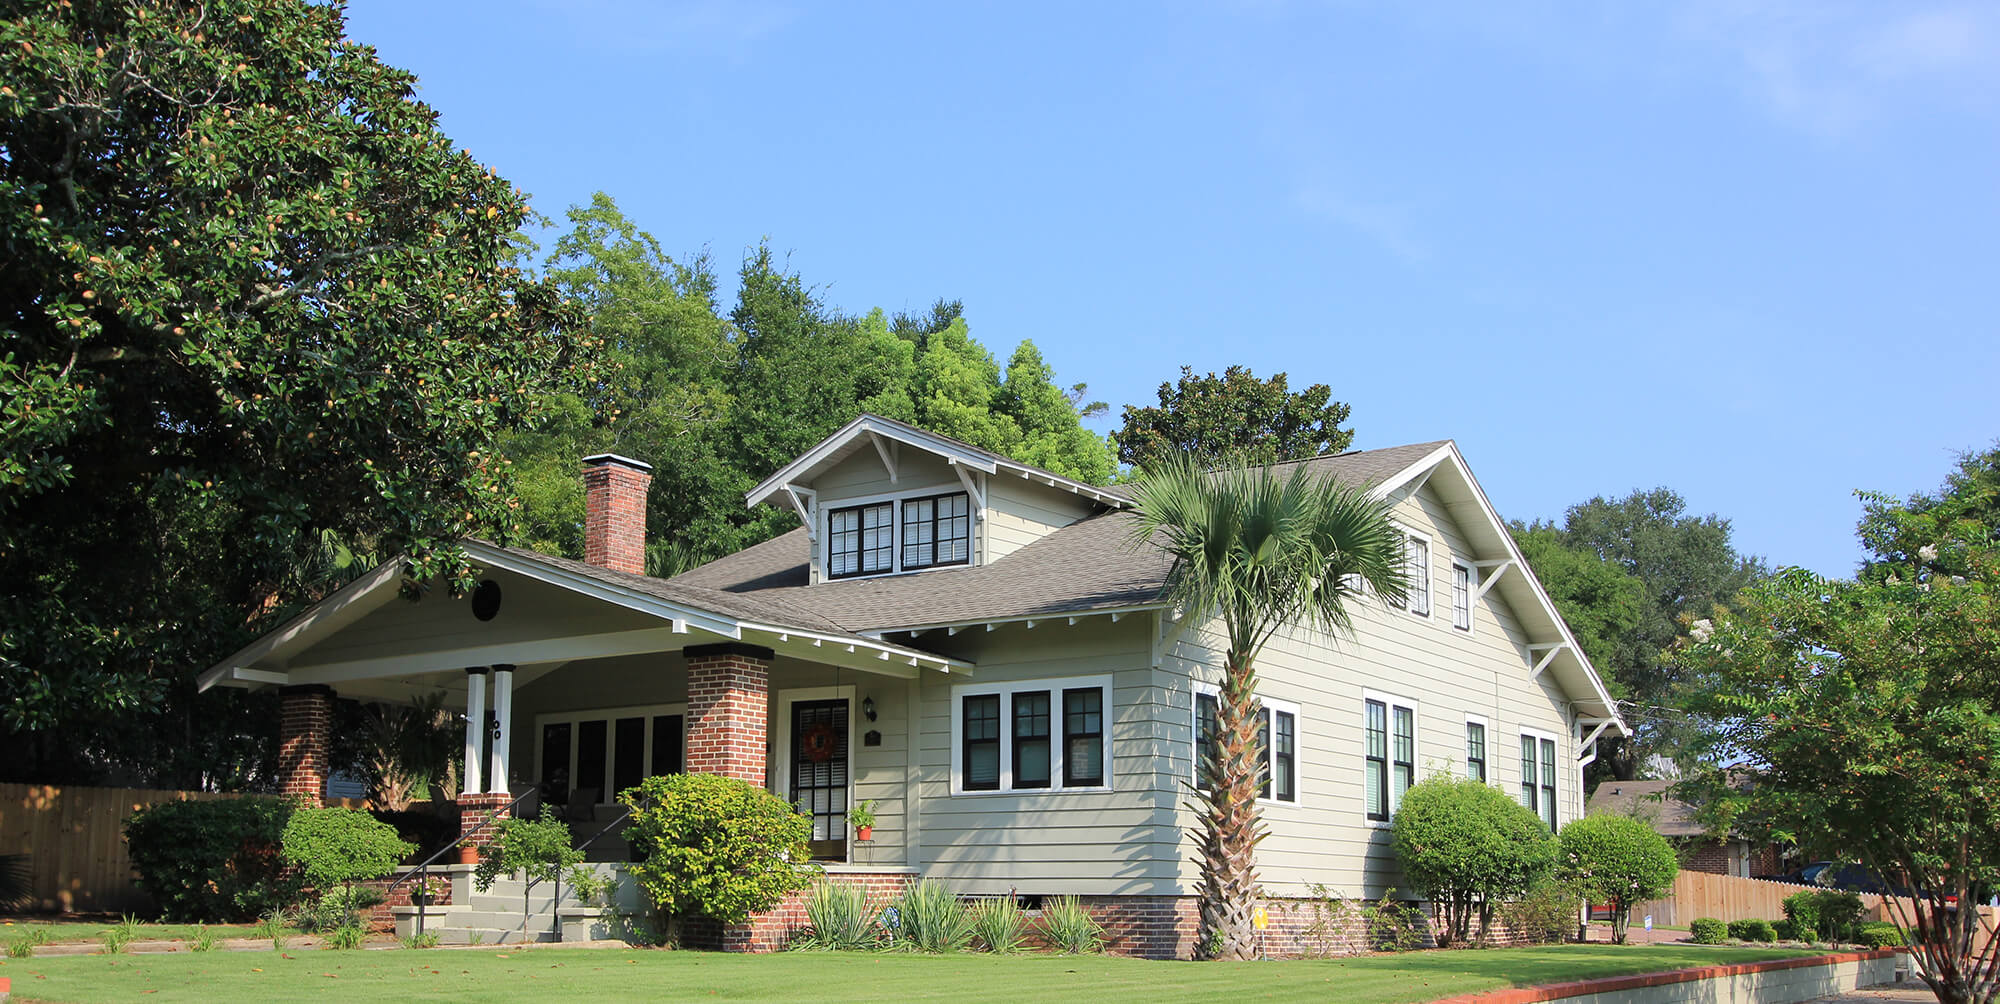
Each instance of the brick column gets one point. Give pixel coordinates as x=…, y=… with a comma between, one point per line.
x=614, y=512
x=729, y=695
x=476, y=810
x=305, y=722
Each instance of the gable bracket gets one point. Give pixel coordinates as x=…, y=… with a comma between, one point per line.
x=975, y=486
x=885, y=449
x=803, y=500
x=1490, y=573
x=1590, y=741
x=1549, y=653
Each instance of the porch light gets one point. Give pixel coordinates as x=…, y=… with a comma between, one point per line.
x=868, y=707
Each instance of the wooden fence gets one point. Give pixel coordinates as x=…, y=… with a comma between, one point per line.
x=1726, y=898
x=75, y=839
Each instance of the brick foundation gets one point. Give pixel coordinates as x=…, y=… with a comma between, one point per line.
x=775, y=928
x=729, y=688
x=380, y=918
x=305, y=723
x=477, y=811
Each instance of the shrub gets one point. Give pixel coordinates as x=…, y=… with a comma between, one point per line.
x=1545, y=914
x=16, y=882
x=840, y=917
x=540, y=849
x=1880, y=934
x=1708, y=931
x=1785, y=930
x=1465, y=846
x=1069, y=928
x=212, y=861
x=1802, y=911
x=1752, y=930
x=1393, y=925
x=333, y=849
x=715, y=846
x=1839, y=915
x=1620, y=861
x=933, y=920
x=347, y=937
x=999, y=924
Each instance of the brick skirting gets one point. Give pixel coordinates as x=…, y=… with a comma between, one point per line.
x=775, y=928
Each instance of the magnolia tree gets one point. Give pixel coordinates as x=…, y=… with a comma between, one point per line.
x=1870, y=712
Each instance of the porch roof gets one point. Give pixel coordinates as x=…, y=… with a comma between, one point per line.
x=672, y=616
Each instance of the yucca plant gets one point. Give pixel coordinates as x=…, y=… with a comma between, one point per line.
x=1069, y=928
x=933, y=920
x=998, y=923
x=1258, y=550
x=840, y=917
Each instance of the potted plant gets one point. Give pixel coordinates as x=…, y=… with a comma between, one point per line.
x=862, y=818
x=427, y=890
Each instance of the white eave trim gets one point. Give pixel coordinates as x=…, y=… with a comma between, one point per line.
x=348, y=604
x=880, y=431
x=1030, y=620
x=680, y=614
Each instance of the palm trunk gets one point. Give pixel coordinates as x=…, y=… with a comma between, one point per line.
x=1229, y=829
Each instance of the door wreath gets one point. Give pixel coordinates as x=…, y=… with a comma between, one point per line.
x=817, y=742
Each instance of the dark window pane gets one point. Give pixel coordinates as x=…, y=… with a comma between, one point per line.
x=1031, y=740
x=1204, y=739
x=1284, y=758
x=982, y=743
x=629, y=759
x=1405, y=772
x=669, y=744
x=1377, y=728
x=555, y=762
x=1475, y=751
x=590, y=743
x=1083, y=737
x=937, y=531
x=860, y=540
x=819, y=767
x=1528, y=771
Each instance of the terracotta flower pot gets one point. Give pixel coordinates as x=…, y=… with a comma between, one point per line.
x=468, y=854
x=865, y=833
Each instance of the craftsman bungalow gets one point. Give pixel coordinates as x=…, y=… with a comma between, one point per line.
x=975, y=646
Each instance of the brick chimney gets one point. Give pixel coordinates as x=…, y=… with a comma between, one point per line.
x=614, y=512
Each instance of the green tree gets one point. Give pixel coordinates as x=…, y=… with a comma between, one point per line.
x=1599, y=599
x=1684, y=564
x=1870, y=712
x=1466, y=846
x=711, y=846
x=1617, y=860
x=250, y=294
x=1233, y=416
x=1259, y=551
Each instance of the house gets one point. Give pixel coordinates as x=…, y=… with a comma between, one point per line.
x=976, y=646
x=1653, y=803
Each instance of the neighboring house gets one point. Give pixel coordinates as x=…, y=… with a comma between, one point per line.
x=1653, y=803
x=977, y=646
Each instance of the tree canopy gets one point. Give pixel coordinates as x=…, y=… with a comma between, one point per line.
x=1868, y=712
x=1682, y=565
x=250, y=295
x=1233, y=417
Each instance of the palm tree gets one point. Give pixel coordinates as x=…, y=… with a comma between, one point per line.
x=1261, y=550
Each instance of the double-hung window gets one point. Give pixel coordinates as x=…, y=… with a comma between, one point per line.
x=1475, y=749
x=1277, y=732
x=861, y=540
x=1538, y=775
x=1038, y=735
x=1417, y=574
x=1389, y=730
x=937, y=531
x=1461, y=596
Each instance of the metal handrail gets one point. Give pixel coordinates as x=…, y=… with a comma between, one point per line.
x=423, y=868
x=555, y=902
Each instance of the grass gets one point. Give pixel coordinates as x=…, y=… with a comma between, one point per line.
x=496, y=974
x=64, y=932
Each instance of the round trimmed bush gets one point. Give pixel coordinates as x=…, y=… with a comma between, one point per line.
x=1753, y=930
x=1465, y=846
x=711, y=846
x=1708, y=931
x=1618, y=860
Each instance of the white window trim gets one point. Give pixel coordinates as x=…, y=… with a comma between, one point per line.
x=1471, y=597
x=1539, y=734
x=1389, y=760
x=1270, y=705
x=1479, y=720
x=1057, y=746
x=779, y=769
x=610, y=716
x=1430, y=607
x=824, y=528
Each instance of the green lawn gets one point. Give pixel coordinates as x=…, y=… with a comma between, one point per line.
x=62, y=932
x=495, y=974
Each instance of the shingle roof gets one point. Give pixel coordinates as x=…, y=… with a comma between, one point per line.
x=1650, y=801
x=1088, y=565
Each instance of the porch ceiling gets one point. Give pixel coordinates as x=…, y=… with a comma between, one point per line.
x=550, y=614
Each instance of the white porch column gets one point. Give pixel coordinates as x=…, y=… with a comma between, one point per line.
x=503, y=712
x=475, y=728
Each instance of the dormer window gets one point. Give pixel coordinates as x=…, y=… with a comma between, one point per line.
x=937, y=531
x=861, y=540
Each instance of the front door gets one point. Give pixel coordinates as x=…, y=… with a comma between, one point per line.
x=819, y=776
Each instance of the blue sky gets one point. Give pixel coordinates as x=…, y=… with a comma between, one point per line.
x=1746, y=250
